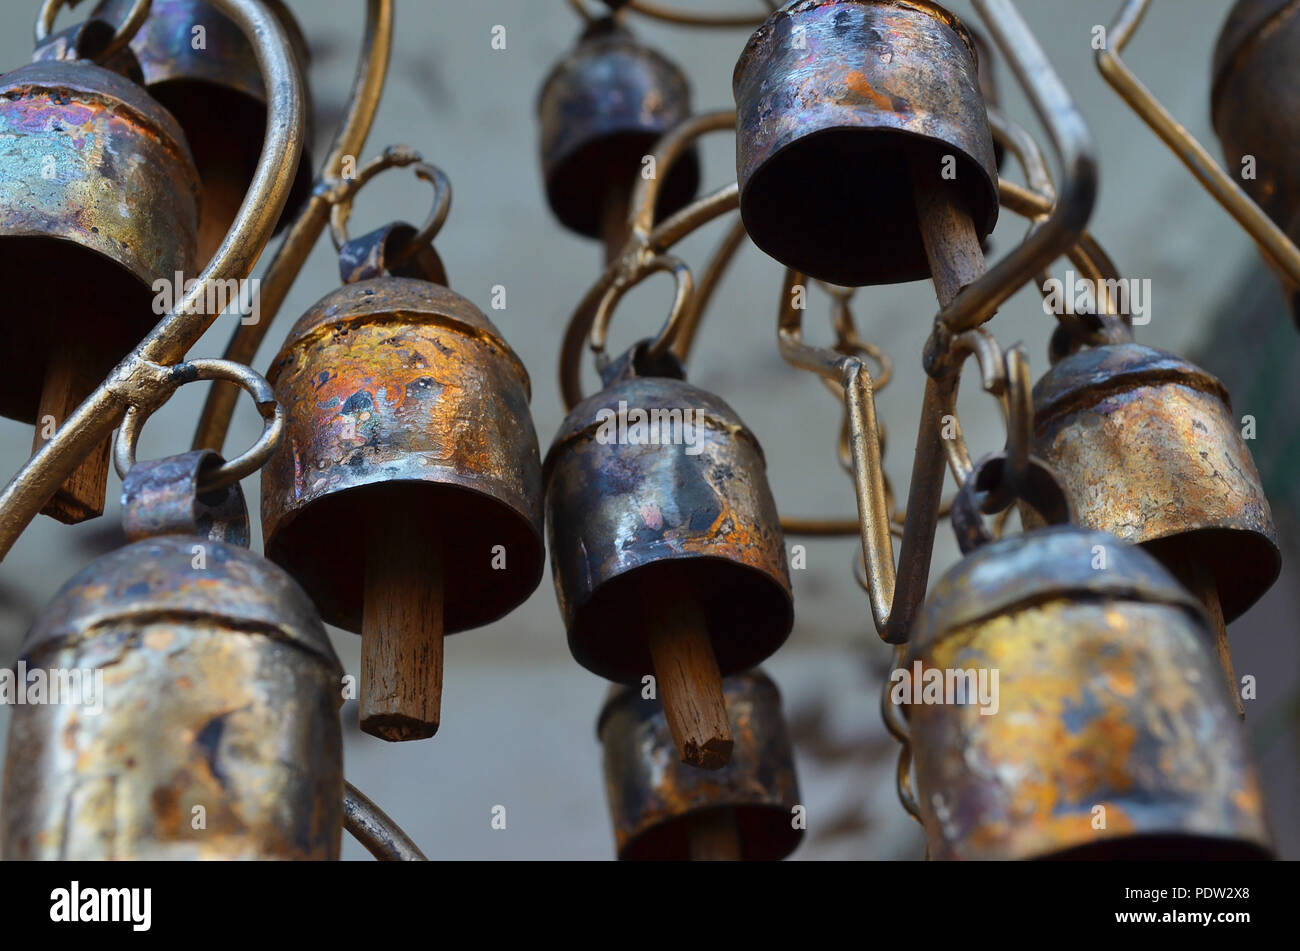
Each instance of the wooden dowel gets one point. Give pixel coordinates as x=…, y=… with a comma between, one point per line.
x=70, y=376
x=714, y=836
x=952, y=244
x=690, y=686
x=614, y=228
x=1196, y=576
x=401, y=634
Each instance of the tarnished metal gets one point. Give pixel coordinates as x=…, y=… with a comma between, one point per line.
x=204, y=723
x=1148, y=449
x=1111, y=737
x=197, y=76
x=629, y=520
x=1255, y=104
x=162, y=497
x=399, y=390
x=99, y=191
x=602, y=108
x=874, y=86
x=653, y=798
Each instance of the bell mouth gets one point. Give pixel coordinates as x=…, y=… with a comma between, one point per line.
x=1165, y=847
x=766, y=835
x=800, y=208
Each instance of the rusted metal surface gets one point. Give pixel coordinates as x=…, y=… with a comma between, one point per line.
x=1107, y=696
x=653, y=797
x=1147, y=447
x=630, y=521
x=400, y=392
x=220, y=78
x=1255, y=104
x=100, y=191
x=220, y=691
x=161, y=497
x=602, y=108
x=871, y=86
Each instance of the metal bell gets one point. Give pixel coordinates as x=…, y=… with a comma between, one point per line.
x=1147, y=448
x=663, y=810
x=98, y=200
x=889, y=90
x=409, y=475
x=1107, y=737
x=666, y=558
x=1255, y=105
x=602, y=109
x=203, y=719
x=215, y=77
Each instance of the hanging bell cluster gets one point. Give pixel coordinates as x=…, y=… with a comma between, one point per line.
x=204, y=719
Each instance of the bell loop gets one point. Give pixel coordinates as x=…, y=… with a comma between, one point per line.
x=164, y=497
x=1041, y=490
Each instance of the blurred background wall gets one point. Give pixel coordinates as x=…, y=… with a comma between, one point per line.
x=518, y=713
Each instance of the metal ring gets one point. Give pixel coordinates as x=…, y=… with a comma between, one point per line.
x=395, y=156
x=605, y=311
x=135, y=18
x=245, y=378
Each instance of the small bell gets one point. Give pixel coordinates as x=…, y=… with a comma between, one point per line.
x=1256, y=108
x=666, y=547
x=406, y=495
x=1064, y=704
x=663, y=810
x=199, y=712
x=602, y=109
x=199, y=64
x=98, y=201
x=877, y=90
x=1147, y=448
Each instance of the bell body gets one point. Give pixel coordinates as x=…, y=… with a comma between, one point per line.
x=631, y=520
x=399, y=394
x=217, y=77
x=602, y=108
x=219, y=733
x=98, y=199
x=1111, y=737
x=653, y=797
x=1147, y=448
x=1255, y=105
x=839, y=104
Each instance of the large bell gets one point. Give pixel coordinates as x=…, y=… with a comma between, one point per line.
x=217, y=732
x=409, y=475
x=1255, y=104
x=867, y=92
x=98, y=200
x=1106, y=736
x=199, y=65
x=1147, y=448
x=602, y=109
x=663, y=810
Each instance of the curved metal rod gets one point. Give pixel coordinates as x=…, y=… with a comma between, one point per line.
x=1272, y=240
x=133, y=380
x=1077, y=191
x=373, y=828
x=713, y=274
x=282, y=271
x=683, y=18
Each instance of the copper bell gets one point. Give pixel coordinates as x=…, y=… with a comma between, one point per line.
x=1108, y=736
x=602, y=109
x=662, y=810
x=217, y=731
x=1148, y=449
x=98, y=200
x=666, y=557
x=406, y=495
x=872, y=89
x=1255, y=105
x=199, y=64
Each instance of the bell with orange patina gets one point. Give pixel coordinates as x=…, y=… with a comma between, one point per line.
x=878, y=92
x=98, y=201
